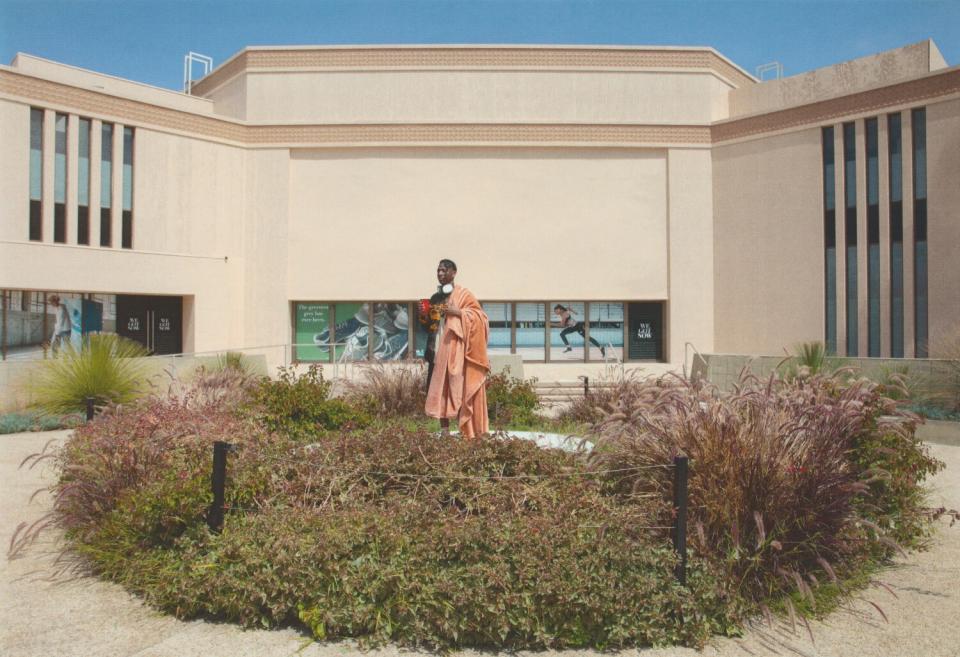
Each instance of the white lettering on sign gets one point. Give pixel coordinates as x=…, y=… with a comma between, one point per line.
x=164, y=324
x=645, y=331
x=133, y=323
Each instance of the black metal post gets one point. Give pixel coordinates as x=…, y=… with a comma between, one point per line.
x=680, y=475
x=586, y=386
x=218, y=480
x=90, y=409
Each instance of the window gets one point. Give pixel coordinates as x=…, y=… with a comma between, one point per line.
x=645, y=331
x=873, y=239
x=501, y=327
x=568, y=332
x=919, y=131
x=311, y=340
x=531, y=331
x=60, y=179
x=606, y=327
x=324, y=331
x=106, y=182
x=83, y=183
x=829, y=241
x=850, y=232
x=126, y=238
x=389, y=331
x=29, y=324
x=895, y=156
x=36, y=174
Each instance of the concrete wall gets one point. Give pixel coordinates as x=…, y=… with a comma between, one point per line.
x=522, y=224
x=15, y=181
x=417, y=96
x=723, y=370
x=943, y=222
x=690, y=315
x=188, y=195
x=768, y=243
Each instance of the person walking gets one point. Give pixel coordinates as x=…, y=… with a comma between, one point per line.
x=61, y=325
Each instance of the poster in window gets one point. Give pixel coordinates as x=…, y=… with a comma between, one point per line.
x=352, y=333
x=390, y=330
x=312, y=332
x=568, y=330
x=645, y=331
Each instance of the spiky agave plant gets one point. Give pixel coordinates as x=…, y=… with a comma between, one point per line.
x=107, y=368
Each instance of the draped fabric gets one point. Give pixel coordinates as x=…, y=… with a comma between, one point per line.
x=457, y=387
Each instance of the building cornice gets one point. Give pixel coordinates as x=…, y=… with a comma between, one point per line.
x=37, y=91
x=938, y=84
x=473, y=57
x=63, y=97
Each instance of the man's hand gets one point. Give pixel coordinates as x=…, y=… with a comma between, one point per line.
x=453, y=310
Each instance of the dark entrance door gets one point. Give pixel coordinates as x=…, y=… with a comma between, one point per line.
x=154, y=322
x=645, y=321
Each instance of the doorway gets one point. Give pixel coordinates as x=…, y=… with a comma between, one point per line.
x=155, y=322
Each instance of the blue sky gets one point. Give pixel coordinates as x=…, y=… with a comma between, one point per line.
x=145, y=40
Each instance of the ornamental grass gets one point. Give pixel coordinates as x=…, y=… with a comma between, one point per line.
x=384, y=531
x=794, y=484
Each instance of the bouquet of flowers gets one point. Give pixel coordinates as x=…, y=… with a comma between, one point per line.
x=431, y=310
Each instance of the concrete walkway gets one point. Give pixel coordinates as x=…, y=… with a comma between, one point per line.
x=90, y=618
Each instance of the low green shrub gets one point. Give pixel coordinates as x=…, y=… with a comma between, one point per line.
x=809, y=359
x=107, y=367
x=512, y=401
x=233, y=360
x=799, y=489
x=34, y=421
x=301, y=404
x=393, y=535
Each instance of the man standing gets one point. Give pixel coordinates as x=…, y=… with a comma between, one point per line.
x=61, y=326
x=457, y=387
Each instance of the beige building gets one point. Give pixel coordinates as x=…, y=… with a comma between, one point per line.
x=605, y=203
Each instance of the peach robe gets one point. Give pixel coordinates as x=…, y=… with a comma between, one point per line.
x=458, y=386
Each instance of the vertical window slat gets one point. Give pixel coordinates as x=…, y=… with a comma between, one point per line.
x=829, y=240
x=106, y=183
x=35, y=226
x=895, y=157
x=850, y=233
x=919, y=132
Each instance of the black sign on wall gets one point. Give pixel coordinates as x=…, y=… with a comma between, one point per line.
x=645, y=326
x=153, y=321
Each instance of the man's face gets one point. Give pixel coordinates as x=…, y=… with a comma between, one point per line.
x=445, y=274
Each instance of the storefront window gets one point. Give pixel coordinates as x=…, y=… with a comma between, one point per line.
x=606, y=328
x=501, y=327
x=520, y=328
x=645, y=331
x=531, y=331
x=568, y=330
x=312, y=332
x=391, y=331
x=38, y=325
x=351, y=334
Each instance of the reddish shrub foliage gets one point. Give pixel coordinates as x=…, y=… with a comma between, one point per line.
x=791, y=481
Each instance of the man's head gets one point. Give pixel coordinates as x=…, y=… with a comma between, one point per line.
x=53, y=299
x=446, y=271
